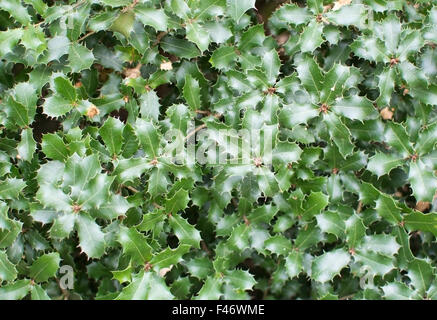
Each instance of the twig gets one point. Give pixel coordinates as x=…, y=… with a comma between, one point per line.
x=194, y=131
x=157, y=206
x=360, y=206
x=130, y=188
x=86, y=36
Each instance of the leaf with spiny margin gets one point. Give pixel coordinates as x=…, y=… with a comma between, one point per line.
x=17, y=113
x=211, y=289
x=9, y=40
x=45, y=267
x=314, y=204
x=398, y=291
x=355, y=108
x=63, y=225
x=311, y=37
x=382, y=163
x=155, y=18
x=290, y=13
x=38, y=293
x=376, y=263
x=135, y=245
x=331, y=222
x=387, y=209
x=236, y=8
x=95, y=193
x=271, y=64
x=278, y=244
x=191, y=92
x=10, y=234
x=149, y=105
x=422, y=180
x=355, y=231
x=146, y=286
x=386, y=87
x=80, y=57
x=27, y=146
x=310, y=75
x=91, y=237
x=239, y=279
x=421, y=274
x=79, y=172
x=132, y=168
x=65, y=89
x=169, y=257
x=223, y=58
x=326, y=266
x=16, y=10
x=11, y=188
x=348, y=15
x=112, y=135
x=178, y=202
x=54, y=147
x=427, y=139
x=16, y=290
x=56, y=106
x=292, y=115
x=294, y=264
x=186, y=233
x=179, y=47
x=384, y=244
x=148, y=136
x=417, y=220
x=7, y=268
x=340, y=134
x=197, y=34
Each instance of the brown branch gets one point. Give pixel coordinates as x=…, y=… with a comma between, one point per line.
x=86, y=36
x=194, y=131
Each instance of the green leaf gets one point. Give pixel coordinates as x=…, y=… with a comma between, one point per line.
x=186, y=233
x=311, y=37
x=80, y=57
x=236, y=9
x=192, y=93
x=387, y=209
x=382, y=163
x=423, y=222
x=339, y=133
x=355, y=108
x=135, y=245
x=7, y=269
x=179, y=47
x=149, y=105
x=16, y=290
x=423, y=181
x=65, y=89
x=11, y=188
x=169, y=257
x=178, y=202
x=45, y=267
x=198, y=35
x=155, y=18
x=27, y=146
x=56, y=106
x=112, y=134
x=54, y=147
x=146, y=286
x=325, y=267
x=91, y=237
x=223, y=58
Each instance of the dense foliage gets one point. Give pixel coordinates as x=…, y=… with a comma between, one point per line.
x=107, y=107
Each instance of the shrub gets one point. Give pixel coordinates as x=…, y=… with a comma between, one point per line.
x=214, y=149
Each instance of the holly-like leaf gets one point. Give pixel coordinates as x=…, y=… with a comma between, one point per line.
x=45, y=267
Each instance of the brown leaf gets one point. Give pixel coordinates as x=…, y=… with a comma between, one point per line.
x=92, y=111
x=166, y=65
x=422, y=206
x=386, y=113
x=340, y=3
